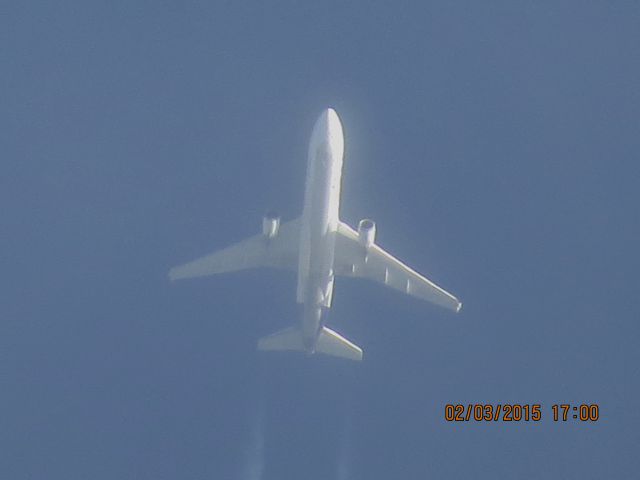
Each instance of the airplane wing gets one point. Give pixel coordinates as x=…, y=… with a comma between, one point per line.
x=353, y=260
x=257, y=251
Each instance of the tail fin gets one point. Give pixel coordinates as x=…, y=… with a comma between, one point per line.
x=328, y=343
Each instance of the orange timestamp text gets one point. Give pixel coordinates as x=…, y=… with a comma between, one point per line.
x=516, y=412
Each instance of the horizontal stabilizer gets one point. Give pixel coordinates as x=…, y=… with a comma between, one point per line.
x=327, y=343
x=331, y=343
x=287, y=339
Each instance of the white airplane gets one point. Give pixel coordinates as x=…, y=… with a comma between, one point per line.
x=319, y=246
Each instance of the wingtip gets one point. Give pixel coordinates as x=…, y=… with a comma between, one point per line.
x=459, y=307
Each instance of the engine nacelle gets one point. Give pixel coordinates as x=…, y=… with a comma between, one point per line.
x=270, y=225
x=366, y=232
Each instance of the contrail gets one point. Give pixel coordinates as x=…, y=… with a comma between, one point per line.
x=254, y=463
x=344, y=470
x=253, y=468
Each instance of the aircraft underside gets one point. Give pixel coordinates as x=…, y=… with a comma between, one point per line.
x=319, y=247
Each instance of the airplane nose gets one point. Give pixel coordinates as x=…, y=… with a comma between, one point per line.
x=328, y=131
x=331, y=114
x=331, y=122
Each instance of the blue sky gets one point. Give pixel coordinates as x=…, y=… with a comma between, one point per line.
x=496, y=146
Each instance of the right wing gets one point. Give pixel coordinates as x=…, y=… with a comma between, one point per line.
x=257, y=251
x=354, y=260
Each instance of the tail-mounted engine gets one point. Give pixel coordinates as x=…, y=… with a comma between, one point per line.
x=270, y=225
x=366, y=232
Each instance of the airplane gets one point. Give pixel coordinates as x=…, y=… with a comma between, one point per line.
x=320, y=247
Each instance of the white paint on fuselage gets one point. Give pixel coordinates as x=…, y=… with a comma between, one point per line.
x=320, y=218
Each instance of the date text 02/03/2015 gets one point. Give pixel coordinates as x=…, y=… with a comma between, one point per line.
x=517, y=412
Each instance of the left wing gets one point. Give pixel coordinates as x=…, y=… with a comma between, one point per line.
x=257, y=251
x=354, y=260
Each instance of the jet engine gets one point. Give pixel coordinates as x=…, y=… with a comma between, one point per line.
x=270, y=225
x=366, y=232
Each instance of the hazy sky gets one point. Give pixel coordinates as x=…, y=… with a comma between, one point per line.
x=495, y=144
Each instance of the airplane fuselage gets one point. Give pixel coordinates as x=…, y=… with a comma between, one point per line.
x=320, y=219
x=319, y=246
